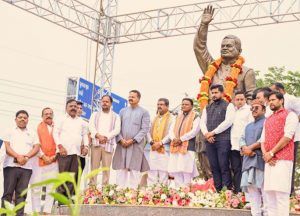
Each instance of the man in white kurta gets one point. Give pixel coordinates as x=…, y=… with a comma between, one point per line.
x=104, y=126
x=160, y=144
x=21, y=146
x=241, y=119
x=183, y=131
x=69, y=134
x=278, y=153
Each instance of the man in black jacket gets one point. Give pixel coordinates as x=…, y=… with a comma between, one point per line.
x=216, y=122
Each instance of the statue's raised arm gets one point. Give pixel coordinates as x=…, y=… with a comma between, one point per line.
x=200, y=42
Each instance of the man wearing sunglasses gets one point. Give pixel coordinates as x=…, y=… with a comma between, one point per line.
x=253, y=163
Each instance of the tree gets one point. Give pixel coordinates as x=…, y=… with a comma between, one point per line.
x=290, y=79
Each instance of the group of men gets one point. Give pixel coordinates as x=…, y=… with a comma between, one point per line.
x=60, y=145
x=268, y=142
x=248, y=147
x=266, y=134
x=33, y=156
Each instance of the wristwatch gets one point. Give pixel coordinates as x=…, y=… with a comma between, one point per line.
x=271, y=153
x=134, y=141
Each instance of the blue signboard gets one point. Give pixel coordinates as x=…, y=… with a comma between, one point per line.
x=85, y=94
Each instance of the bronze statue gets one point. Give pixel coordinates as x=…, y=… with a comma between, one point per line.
x=227, y=70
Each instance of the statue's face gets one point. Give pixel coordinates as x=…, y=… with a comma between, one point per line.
x=228, y=49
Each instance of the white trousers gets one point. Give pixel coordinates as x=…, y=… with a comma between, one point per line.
x=182, y=179
x=41, y=174
x=128, y=179
x=157, y=177
x=278, y=177
x=278, y=203
x=257, y=200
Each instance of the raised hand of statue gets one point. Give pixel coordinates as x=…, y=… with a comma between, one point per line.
x=207, y=15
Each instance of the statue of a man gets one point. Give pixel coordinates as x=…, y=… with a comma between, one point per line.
x=222, y=71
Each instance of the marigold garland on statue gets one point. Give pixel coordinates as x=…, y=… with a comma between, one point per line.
x=230, y=81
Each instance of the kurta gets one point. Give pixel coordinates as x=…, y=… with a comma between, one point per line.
x=158, y=160
x=135, y=124
x=280, y=124
x=184, y=163
x=253, y=167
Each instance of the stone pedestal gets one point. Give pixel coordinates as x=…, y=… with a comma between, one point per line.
x=125, y=210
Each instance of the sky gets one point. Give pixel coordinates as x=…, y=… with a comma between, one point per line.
x=34, y=52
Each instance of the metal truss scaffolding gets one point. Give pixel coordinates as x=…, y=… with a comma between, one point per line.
x=108, y=29
x=105, y=54
x=185, y=19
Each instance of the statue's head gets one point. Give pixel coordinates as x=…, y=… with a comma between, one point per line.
x=231, y=47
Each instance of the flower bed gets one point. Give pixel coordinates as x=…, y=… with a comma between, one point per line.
x=159, y=195
x=198, y=195
x=295, y=203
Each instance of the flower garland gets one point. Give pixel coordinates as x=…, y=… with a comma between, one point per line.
x=230, y=81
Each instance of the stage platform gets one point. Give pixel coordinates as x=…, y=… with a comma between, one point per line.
x=128, y=210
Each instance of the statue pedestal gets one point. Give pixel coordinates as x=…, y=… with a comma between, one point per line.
x=125, y=210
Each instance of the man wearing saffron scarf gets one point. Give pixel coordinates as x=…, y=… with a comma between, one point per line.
x=183, y=131
x=47, y=167
x=277, y=142
x=160, y=144
x=230, y=52
x=216, y=121
x=104, y=127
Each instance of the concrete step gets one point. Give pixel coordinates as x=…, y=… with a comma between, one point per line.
x=125, y=210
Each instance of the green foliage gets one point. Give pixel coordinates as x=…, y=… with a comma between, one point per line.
x=73, y=202
x=196, y=106
x=10, y=209
x=290, y=79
